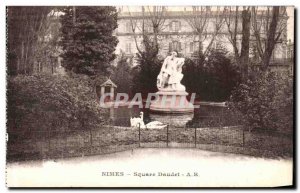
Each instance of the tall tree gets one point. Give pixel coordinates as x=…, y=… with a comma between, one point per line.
x=122, y=75
x=199, y=21
x=233, y=16
x=26, y=27
x=268, y=25
x=47, y=48
x=245, y=48
x=149, y=26
x=87, y=39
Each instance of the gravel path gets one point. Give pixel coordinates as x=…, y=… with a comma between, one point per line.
x=152, y=167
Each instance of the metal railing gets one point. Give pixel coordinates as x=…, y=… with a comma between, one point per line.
x=53, y=144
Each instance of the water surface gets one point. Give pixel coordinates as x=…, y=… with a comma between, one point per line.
x=205, y=116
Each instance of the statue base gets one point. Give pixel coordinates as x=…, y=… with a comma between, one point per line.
x=172, y=102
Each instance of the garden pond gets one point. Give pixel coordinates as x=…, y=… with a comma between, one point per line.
x=205, y=116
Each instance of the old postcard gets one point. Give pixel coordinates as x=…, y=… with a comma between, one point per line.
x=150, y=96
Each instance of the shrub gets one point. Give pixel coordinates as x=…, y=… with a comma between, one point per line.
x=145, y=75
x=43, y=102
x=213, y=79
x=122, y=76
x=265, y=101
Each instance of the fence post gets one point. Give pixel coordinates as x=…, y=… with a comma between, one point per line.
x=91, y=141
x=65, y=144
x=49, y=144
x=243, y=136
x=195, y=137
x=168, y=135
x=139, y=135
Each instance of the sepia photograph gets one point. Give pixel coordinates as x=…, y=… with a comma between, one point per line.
x=150, y=96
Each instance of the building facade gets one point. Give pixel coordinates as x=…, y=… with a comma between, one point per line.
x=177, y=33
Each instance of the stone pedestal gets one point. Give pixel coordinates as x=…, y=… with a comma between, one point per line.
x=172, y=102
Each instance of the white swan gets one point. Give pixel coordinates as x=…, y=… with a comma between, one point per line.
x=136, y=121
x=139, y=122
x=155, y=125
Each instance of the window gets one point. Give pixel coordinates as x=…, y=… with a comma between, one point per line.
x=194, y=46
x=175, y=26
x=128, y=48
x=148, y=28
x=175, y=45
x=216, y=45
x=128, y=27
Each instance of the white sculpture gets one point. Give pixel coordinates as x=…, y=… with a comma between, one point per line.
x=171, y=95
x=139, y=122
x=171, y=74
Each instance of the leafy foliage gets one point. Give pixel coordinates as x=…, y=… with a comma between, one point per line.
x=266, y=101
x=146, y=72
x=122, y=76
x=48, y=102
x=213, y=79
x=145, y=75
x=87, y=39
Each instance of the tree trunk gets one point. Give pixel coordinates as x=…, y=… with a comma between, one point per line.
x=26, y=59
x=155, y=30
x=271, y=39
x=244, y=58
x=22, y=57
x=200, y=50
x=236, y=54
x=18, y=66
x=74, y=15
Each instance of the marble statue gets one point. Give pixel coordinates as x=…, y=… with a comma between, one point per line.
x=171, y=74
x=171, y=95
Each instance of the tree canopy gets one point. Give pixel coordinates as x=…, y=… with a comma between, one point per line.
x=26, y=30
x=87, y=39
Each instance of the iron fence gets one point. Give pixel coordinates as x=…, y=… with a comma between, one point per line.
x=53, y=144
